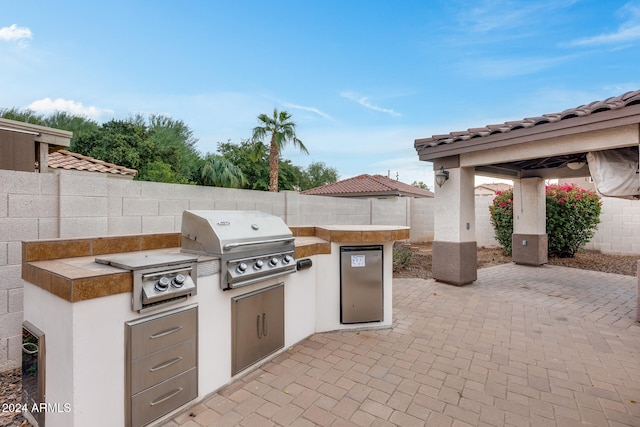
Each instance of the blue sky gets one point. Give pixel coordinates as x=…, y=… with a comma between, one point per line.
x=362, y=79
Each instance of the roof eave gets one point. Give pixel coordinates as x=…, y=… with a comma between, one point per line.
x=576, y=125
x=44, y=134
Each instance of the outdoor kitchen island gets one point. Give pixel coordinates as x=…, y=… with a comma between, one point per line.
x=88, y=374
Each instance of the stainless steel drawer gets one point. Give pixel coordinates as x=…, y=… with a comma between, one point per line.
x=161, y=399
x=161, y=331
x=157, y=367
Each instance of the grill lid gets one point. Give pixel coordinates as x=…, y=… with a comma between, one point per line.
x=222, y=232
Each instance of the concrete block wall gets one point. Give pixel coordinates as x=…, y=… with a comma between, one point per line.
x=28, y=210
x=421, y=220
x=319, y=210
x=392, y=211
x=485, y=235
x=619, y=228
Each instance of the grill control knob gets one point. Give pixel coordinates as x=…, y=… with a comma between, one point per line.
x=242, y=267
x=178, y=281
x=163, y=284
x=274, y=261
x=258, y=264
x=287, y=259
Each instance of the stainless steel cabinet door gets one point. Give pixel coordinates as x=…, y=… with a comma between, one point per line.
x=272, y=320
x=361, y=290
x=257, y=327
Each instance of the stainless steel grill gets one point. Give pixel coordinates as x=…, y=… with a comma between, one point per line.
x=252, y=245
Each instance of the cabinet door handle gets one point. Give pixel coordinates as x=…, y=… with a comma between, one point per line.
x=165, y=364
x=259, y=327
x=265, y=326
x=165, y=333
x=166, y=397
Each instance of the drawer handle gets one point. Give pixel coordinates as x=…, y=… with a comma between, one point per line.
x=165, y=333
x=166, y=397
x=165, y=364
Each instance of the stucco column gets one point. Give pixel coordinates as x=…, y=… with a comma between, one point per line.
x=454, y=257
x=529, y=240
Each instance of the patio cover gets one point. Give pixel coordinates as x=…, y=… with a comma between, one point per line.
x=606, y=134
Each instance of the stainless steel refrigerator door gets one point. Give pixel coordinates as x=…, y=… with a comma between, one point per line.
x=361, y=291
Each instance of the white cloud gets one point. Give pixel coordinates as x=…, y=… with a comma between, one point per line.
x=48, y=105
x=503, y=15
x=508, y=67
x=15, y=33
x=311, y=109
x=364, y=101
x=628, y=31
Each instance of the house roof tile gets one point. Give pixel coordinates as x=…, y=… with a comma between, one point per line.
x=614, y=103
x=368, y=185
x=64, y=159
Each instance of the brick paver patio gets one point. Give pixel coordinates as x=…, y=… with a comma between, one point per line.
x=521, y=346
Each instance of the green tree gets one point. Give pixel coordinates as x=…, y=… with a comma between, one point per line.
x=27, y=116
x=252, y=159
x=220, y=172
x=160, y=148
x=420, y=185
x=281, y=130
x=173, y=143
x=122, y=142
x=79, y=125
x=318, y=174
x=158, y=171
x=572, y=214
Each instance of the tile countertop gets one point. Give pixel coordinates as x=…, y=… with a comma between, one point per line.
x=67, y=267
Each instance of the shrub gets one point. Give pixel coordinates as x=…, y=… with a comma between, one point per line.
x=572, y=216
x=502, y=219
x=401, y=257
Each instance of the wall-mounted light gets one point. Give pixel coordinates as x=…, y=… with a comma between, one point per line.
x=441, y=176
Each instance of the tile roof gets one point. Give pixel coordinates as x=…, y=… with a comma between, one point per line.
x=614, y=103
x=366, y=185
x=64, y=159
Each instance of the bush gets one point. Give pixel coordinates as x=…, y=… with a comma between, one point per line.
x=502, y=219
x=401, y=257
x=572, y=216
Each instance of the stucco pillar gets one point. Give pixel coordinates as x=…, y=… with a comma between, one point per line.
x=529, y=239
x=454, y=257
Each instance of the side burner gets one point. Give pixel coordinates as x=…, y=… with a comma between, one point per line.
x=159, y=279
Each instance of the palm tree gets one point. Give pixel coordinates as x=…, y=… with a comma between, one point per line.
x=282, y=130
x=220, y=172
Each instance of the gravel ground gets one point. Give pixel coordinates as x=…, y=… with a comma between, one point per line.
x=418, y=266
x=11, y=391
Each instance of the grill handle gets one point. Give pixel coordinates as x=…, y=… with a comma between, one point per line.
x=228, y=246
